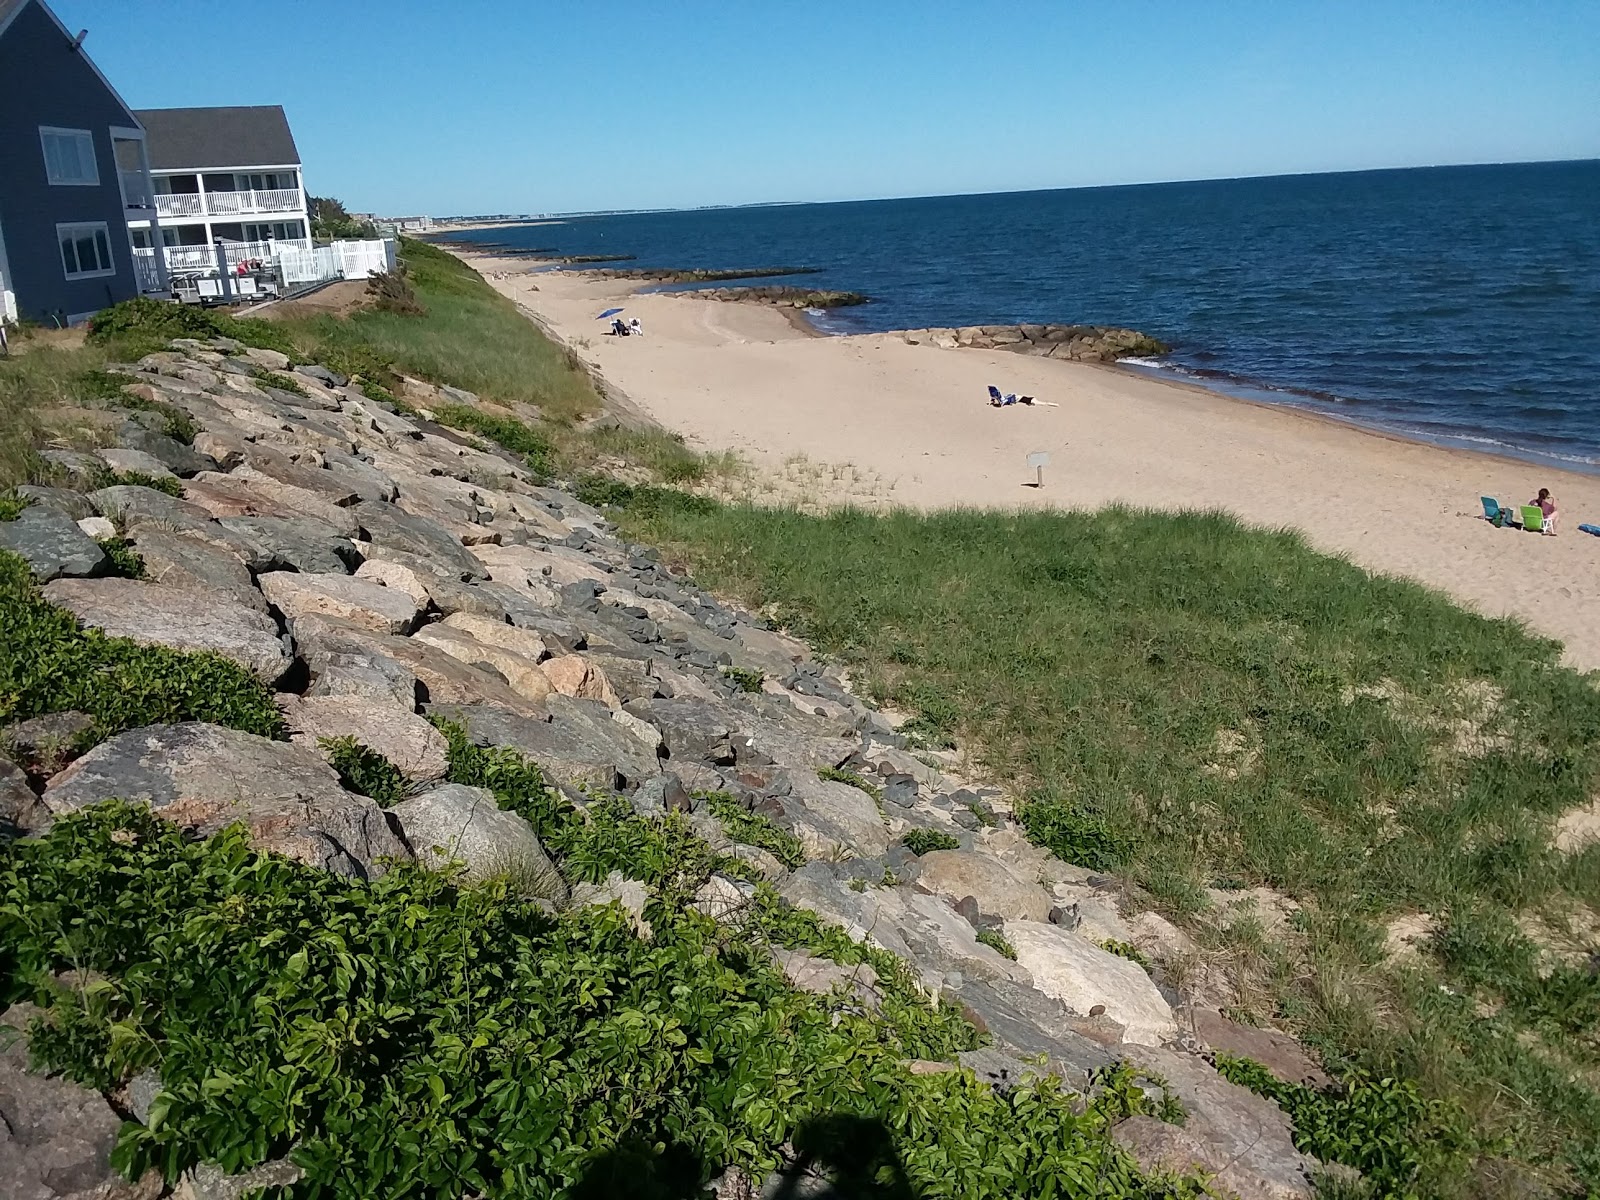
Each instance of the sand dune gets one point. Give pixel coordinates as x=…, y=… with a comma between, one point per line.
x=742, y=377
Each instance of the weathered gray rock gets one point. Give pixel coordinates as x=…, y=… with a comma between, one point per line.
x=52, y=545
x=296, y=544
x=180, y=617
x=577, y=745
x=178, y=560
x=693, y=730
x=44, y=744
x=364, y=602
x=134, y=462
x=394, y=731
x=74, y=504
x=55, y=1136
x=22, y=814
x=456, y=823
x=1074, y=970
x=204, y=777
x=388, y=525
x=1278, y=1052
x=170, y=453
x=832, y=818
x=999, y=891
x=630, y=894
x=809, y=972
x=722, y=899
x=1238, y=1139
x=207, y=1181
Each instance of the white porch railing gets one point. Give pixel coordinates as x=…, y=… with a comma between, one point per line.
x=179, y=204
x=297, y=260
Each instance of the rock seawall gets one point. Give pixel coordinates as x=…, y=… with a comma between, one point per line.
x=1080, y=343
x=780, y=296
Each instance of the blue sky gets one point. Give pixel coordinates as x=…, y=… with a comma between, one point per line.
x=473, y=106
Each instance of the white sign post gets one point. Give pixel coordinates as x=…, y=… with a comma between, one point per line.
x=1039, y=460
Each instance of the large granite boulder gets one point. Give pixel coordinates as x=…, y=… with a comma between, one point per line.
x=1080, y=974
x=1240, y=1141
x=362, y=601
x=578, y=744
x=295, y=544
x=56, y=1137
x=183, y=618
x=832, y=818
x=396, y=732
x=52, y=545
x=693, y=730
x=204, y=777
x=388, y=525
x=521, y=673
x=181, y=561
x=999, y=891
x=460, y=824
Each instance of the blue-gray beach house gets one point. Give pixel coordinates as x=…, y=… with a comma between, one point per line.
x=73, y=174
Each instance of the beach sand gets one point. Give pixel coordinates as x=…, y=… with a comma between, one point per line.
x=888, y=423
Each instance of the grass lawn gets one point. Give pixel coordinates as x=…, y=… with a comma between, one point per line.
x=1196, y=705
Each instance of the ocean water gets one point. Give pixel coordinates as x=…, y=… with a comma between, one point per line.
x=1454, y=304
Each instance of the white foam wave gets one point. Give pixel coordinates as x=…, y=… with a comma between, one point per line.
x=1135, y=361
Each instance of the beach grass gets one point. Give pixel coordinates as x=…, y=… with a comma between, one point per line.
x=469, y=337
x=1201, y=708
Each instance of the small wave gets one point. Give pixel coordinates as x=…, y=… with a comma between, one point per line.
x=1152, y=363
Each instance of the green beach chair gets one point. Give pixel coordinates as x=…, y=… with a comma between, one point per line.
x=1533, y=518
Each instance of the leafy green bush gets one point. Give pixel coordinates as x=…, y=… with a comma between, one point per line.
x=143, y=322
x=642, y=500
x=1384, y=1128
x=921, y=841
x=753, y=829
x=996, y=941
x=166, y=484
x=364, y=770
x=1075, y=835
x=514, y=435
x=126, y=562
x=11, y=504
x=1125, y=950
x=746, y=679
x=48, y=664
x=414, y=1037
x=838, y=775
x=283, y=383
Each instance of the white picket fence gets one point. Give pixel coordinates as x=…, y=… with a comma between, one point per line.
x=296, y=260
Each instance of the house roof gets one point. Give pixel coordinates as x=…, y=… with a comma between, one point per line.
x=201, y=139
x=9, y=9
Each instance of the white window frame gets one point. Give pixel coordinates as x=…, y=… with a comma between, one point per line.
x=76, y=229
x=47, y=131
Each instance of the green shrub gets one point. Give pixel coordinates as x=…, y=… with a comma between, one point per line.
x=1384, y=1128
x=1075, y=835
x=922, y=841
x=414, y=1037
x=283, y=383
x=642, y=500
x=48, y=664
x=126, y=562
x=391, y=292
x=753, y=829
x=514, y=435
x=838, y=775
x=996, y=941
x=166, y=484
x=1125, y=950
x=11, y=504
x=146, y=324
x=746, y=679
x=364, y=770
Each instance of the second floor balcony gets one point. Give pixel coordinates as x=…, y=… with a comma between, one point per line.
x=211, y=201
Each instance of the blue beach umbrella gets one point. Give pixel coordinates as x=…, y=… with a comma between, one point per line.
x=610, y=312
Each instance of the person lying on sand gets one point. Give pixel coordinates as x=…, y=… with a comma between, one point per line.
x=996, y=400
x=1546, y=503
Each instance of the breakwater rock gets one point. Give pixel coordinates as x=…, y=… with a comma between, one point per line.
x=1081, y=343
x=698, y=274
x=780, y=296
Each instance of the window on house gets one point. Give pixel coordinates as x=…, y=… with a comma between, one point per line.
x=85, y=250
x=69, y=156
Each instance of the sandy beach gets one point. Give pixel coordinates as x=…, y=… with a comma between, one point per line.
x=912, y=423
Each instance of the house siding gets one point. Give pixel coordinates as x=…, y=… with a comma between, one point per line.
x=43, y=81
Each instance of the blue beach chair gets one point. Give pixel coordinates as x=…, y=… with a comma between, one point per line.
x=1493, y=513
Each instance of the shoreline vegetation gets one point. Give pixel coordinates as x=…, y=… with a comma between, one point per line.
x=1345, y=794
